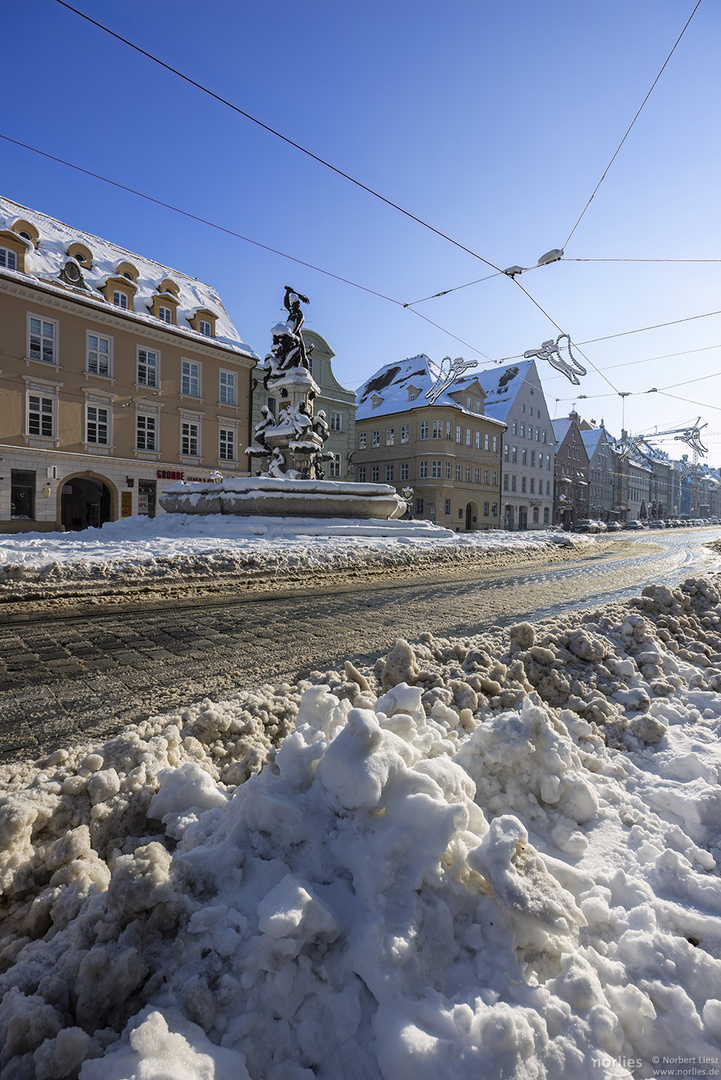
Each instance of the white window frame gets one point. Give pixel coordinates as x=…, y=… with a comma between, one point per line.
x=361, y=474
x=98, y=407
x=190, y=437
x=151, y=367
x=95, y=350
x=404, y=470
x=205, y=328
x=423, y=469
x=43, y=339
x=8, y=259
x=165, y=314
x=423, y=430
x=437, y=430
x=336, y=421
x=227, y=387
x=189, y=379
x=335, y=467
x=362, y=440
x=148, y=419
x=227, y=440
x=390, y=436
x=375, y=474
x=120, y=299
x=43, y=398
x=437, y=469
x=376, y=437
x=405, y=433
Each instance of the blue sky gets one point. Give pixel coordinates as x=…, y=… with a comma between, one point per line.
x=491, y=121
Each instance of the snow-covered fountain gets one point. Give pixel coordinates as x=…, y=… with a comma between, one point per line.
x=289, y=446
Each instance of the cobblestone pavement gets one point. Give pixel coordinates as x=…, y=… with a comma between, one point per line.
x=85, y=675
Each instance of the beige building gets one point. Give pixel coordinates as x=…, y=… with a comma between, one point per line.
x=118, y=376
x=447, y=450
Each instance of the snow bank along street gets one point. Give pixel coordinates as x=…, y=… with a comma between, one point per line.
x=482, y=858
x=139, y=553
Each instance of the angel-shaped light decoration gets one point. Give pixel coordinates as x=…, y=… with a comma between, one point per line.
x=551, y=350
x=448, y=376
x=692, y=437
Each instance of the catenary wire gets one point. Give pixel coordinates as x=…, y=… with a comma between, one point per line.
x=240, y=236
x=278, y=134
x=628, y=130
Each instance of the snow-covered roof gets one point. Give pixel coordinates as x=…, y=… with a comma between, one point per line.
x=501, y=385
x=402, y=386
x=44, y=264
x=560, y=429
x=591, y=438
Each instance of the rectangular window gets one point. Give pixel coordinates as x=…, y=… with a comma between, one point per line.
x=423, y=430
x=99, y=354
x=486, y=441
x=404, y=471
x=478, y=476
x=533, y=485
x=485, y=509
x=514, y=428
x=495, y=444
x=22, y=495
x=226, y=444
x=548, y=487
x=523, y=483
x=405, y=433
x=228, y=387
x=42, y=335
x=469, y=437
x=505, y=481
x=514, y=454
x=190, y=378
x=495, y=478
x=437, y=469
x=523, y=430
x=458, y=472
x=147, y=367
x=423, y=469
x=523, y=408
x=205, y=328
x=336, y=421
x=8, y=259
x=506, y=452
x=546, y=515
x=146, y=433
x=478, y=440
x=375, y=437
x=361, y=474
x=120, y=299
x=96, y=428
x=449, y=429
x=165, y=314
x=437, y=429
x=533, y=459
x=390, y=436
x=389, y=474
x=41, y=416
x=513, y=482
x=468, y=474
x=485, y=476
x=448, y=470
x=335, y=467
x=189, y=439
x=524, y=456
x=419, y=506
x=538, y=435
x=362, y=440
x=447, y=506
x=459, y=434
x=375, y=474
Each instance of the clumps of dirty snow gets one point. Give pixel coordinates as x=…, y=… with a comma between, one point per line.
x=498, y=852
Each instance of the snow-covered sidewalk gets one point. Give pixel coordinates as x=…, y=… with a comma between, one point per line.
x=484, y=858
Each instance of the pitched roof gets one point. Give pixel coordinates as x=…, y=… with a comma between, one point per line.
x=389, y=390
x=45, y=263
x=501, y=385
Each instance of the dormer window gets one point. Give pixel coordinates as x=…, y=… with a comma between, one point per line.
x=120, y=299
x=81, y=254
x=165, y=314
x=203, y=322
x=8, y=259
x=205, y=328
x=376, y=401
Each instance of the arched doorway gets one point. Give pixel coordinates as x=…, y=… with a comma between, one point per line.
x=471, y=516
x=85, y=502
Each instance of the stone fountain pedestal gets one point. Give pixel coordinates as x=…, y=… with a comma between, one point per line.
x=266, y=496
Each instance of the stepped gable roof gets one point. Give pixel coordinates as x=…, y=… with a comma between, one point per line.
x=402, y=387
x=44, y=263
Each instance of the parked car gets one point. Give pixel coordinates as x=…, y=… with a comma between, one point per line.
x=601, y=526
x=634, y=523
x=614, y=526
x=586, y=525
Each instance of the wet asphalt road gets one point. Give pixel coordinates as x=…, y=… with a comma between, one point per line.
x=84, y=676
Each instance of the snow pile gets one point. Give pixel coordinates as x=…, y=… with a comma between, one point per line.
x=139, y=551
x=483, y=858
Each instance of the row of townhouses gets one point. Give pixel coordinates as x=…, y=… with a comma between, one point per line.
x=120, y=375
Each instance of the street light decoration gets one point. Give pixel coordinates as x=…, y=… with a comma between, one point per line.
x=551, y=351
x=450, y=371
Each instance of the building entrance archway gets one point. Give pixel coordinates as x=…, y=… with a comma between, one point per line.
x=471, y=516
x=85, y=502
